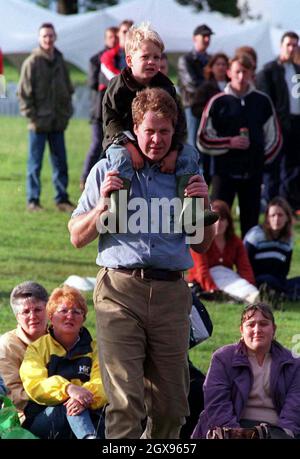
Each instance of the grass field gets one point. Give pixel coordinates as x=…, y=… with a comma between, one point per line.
x=12, y=73
x=36, y=246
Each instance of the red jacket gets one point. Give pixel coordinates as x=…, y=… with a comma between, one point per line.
x=234, y=255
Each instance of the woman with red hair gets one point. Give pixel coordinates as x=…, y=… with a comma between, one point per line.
x=60, y=373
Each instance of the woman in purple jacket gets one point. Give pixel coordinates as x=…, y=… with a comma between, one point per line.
x=253, y=381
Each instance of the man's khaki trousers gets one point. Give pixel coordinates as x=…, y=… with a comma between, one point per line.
x=143, y=335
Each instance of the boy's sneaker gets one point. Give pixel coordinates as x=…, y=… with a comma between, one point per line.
x=272, y=297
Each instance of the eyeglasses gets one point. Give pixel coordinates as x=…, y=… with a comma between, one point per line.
x=74, y=311
x=27, y=312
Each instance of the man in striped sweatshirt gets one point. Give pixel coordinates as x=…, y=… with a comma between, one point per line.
x=238, y=159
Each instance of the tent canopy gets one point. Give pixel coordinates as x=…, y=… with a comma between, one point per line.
x=80, y=36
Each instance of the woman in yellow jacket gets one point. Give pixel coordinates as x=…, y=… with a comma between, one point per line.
x=60, y=373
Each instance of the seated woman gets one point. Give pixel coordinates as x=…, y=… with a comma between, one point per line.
x=253, y=381
x=28, y=302
x=213, y=270
x=270, y=249
x=60, y=373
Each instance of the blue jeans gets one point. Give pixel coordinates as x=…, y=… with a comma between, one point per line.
x=58, y=157
x=95, y=151
x=53, y=422
x=192, y=124
x=119, y=159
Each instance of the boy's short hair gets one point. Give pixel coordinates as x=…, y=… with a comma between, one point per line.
x=248, y=50
x=156, y=100
x=243, y=59
x=136, y=35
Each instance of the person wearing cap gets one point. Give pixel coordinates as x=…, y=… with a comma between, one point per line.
x=191, y=76
x=28, y=302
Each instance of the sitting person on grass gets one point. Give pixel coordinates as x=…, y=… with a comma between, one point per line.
x=60, y=373
x=213, y=270
x=270, y=249
x=28, y=302
x=253, y=382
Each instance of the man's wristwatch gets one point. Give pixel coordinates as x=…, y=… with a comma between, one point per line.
x=121, y=139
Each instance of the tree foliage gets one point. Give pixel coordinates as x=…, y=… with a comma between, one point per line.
x=223, y=6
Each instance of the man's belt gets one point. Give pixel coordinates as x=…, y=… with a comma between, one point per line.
x=151, y=273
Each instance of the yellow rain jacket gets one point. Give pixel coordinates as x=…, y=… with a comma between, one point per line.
x=48, y=368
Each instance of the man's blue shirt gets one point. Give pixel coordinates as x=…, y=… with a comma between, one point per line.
x=144, y=249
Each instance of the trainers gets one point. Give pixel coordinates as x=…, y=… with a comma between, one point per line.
x=34, y=206
x=90, y=437
x=65, y=206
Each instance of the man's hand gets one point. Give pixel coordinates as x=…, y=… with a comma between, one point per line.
x=136, y=157
x=239, y=142
x=197, y=187
x=110, y=183
x=169, y=162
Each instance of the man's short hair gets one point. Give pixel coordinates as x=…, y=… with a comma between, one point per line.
x=136, y=35
x=27, y=290
x=203, y=29
x=47, y=25
x=289, y=34
x=156, y=100
x=247, y=50
x=243, y=59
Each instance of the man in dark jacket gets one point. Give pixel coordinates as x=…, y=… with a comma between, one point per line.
x=97, y=92
x=45, y=94
x=279, y=80
x=190, y=77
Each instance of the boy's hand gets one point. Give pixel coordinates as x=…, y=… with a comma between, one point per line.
x=169, y=162
x=136, y=157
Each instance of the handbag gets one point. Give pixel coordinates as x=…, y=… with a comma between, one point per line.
x=260, y=431
x=201, y=324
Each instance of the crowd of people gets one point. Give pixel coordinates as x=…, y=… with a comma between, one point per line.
x=151, y=141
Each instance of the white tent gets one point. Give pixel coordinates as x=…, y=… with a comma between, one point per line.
x=80, y=36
